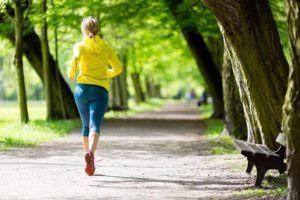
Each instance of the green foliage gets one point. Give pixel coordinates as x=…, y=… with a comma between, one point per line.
x=273, y=187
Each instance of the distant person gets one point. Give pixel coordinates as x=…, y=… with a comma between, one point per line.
x=193, y=94
x=91, y=60
x=203, y=98
x=179, y=94
x=190, y=95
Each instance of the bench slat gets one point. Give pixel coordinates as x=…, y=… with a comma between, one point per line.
x=270, y=152
x=255, y=149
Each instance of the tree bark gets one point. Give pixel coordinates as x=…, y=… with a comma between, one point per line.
x=31, y=45
x=259, y=65
x=235, y=122
x=57, y=71
x=204, y=60
x=46, y=67
x=32, y=50
x=138, y=92
x=291, y=109
x=149, y=87
x=22, y=99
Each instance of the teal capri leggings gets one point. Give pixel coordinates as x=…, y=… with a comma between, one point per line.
x=91, y=101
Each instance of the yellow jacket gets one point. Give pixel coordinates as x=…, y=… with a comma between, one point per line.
x=91, y=60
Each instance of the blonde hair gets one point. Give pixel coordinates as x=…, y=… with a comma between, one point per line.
x=90, y=26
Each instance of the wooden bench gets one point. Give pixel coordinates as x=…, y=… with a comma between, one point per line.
x=262, y=158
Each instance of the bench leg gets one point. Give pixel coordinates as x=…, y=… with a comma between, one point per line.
x=249, y=167
x=261, y=171
x=282, y=168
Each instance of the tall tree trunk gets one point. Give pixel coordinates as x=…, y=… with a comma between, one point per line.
x=32, y=50
x=1, y=80
x=150, y=87
x=291, y=109
x=46, y=66
x=119, y=93
x=157, y=91
x=57, y=71
x=18, y=61
x=203, y=57
x=31, y=45
x=258, y=62
x=235, y=122
x=138, y=92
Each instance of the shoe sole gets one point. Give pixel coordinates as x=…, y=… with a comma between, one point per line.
x=88, y=168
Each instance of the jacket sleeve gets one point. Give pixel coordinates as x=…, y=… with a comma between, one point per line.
x=115, y=64
x=74, y=62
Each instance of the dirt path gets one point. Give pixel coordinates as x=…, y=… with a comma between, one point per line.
x=156, y=155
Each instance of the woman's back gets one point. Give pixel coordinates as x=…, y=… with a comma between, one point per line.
x=92, y=58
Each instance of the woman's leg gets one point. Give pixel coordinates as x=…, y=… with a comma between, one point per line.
x=83, y=110
x=97, y=111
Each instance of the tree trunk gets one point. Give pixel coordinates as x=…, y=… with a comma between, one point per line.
x=46, y=67
x=204, y=60
x=18, y=61
x=258, y=62
x=291, y=109
x=123, y=81
x=115, y=93
x=57, y=72
x=138, y=92
x=234, y=114
x=1, y=80
x=119, y=93
x=32, y=50
x=157, y=91
x=150, y=87
x=31, y=45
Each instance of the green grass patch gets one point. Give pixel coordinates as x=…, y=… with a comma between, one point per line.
x=272, y=187
x=206, y=110
x=15, y=134
x=222, y=145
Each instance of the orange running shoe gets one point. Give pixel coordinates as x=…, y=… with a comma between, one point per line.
x=89, y=160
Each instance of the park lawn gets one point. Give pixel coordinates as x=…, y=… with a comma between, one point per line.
x=14, y=134
x=220, y=144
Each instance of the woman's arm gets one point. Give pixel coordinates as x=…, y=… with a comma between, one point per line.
x=115, y=64
x=74, y=63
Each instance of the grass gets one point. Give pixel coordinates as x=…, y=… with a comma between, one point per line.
x=14, y=134
x=272, y=187
x=221, y=144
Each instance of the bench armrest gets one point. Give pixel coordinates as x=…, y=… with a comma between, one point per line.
x=281, y=139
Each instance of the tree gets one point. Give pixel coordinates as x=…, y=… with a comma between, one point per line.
x=46, y=66
x=235, y=122
x=258, y=62
x=19, y=21
x=291, y=109
x=203, y=57
x=31, y=45
x=57, y=72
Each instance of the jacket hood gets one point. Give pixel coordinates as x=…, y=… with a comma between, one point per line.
x=94, y=44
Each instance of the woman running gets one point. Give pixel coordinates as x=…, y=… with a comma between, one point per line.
x=95, y=62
